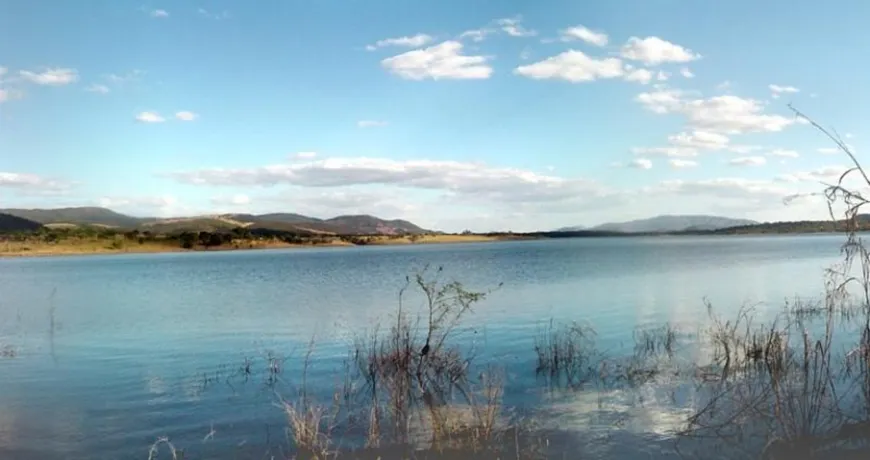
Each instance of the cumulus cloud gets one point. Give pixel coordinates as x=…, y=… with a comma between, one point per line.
x=748, y=161
x=666, y=151
x=32, y=182
x=371, y=123
x=51, y=77
x=414, y=41
x=829, y=150
x=472, y=182
x=655, y=51
x=830, y=173
x=738, y=188
x=678, y=163
x=699, y=139
x=159, y=14
x=585, y=34
x=643, y=76
x=149, y=117
x=574, y=66
x=442, y=61
x=304, y=155
x=186, y=116
x=476, y=35
x=724, y=114
x=514, y=28
x=686, y=73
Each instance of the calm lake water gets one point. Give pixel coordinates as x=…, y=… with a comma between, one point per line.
x=113, y=352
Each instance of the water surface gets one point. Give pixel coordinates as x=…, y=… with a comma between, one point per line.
x=116, y=351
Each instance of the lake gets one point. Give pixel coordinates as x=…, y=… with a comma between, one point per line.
x=113, y=352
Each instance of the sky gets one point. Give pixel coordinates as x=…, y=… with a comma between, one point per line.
x=454, y=114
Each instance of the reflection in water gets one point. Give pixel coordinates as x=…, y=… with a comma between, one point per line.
x=163, y=339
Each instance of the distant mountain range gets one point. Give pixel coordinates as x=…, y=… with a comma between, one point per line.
x=21, y=219
x=667, y=223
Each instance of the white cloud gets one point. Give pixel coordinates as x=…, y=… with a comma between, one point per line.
x=776, y=90
x=829, y=174
x=150, y=206
x=442, y=61
x=186, y=116
x=700, y=140
x=96, y=88
x=681, y=152
x=514, y=28
x=304, y=155
x=466, y=182
x=51, y=77
x=476, y=35
x=643, y=76
x=574, y=66
x=724, y=114
x=371, y=123
x=585, y=34
x=662, y=75
x=662, y=101
x=640, y=163
x=32, y=182
x=159, y=14
x=829, y=150
x=414, y=41
x=686, y=73
x=4, y=95
x=726, y=187
x=783, y=153
x=748, y=161
x=3, y=71
x=149, y=117
x=678, y=163
x=654, y=51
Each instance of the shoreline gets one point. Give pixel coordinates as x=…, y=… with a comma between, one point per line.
x=61, y=250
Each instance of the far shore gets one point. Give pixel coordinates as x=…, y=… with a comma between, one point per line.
x=15, y=249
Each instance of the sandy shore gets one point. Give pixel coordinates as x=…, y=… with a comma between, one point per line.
x=104, y=247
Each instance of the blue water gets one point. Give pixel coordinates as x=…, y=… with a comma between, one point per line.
x=113, y=352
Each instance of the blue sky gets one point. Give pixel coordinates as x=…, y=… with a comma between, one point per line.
x=454, y=114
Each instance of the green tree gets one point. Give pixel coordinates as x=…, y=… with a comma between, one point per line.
x=188, y=240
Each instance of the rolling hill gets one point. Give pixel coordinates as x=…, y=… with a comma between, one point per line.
x=10, y=223
x=78, y=216
x=94, y=216
x=673, y=223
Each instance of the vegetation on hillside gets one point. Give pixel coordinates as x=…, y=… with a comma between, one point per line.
x=10, y=223
x=341, y=225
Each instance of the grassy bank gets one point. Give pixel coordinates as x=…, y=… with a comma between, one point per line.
x=36, y=246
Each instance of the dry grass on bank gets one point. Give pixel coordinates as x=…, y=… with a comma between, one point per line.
x=78, y=246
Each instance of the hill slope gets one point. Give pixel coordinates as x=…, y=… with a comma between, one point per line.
x=345, y=225
x=674, y=223
x=80, y=216
x=10, y=223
